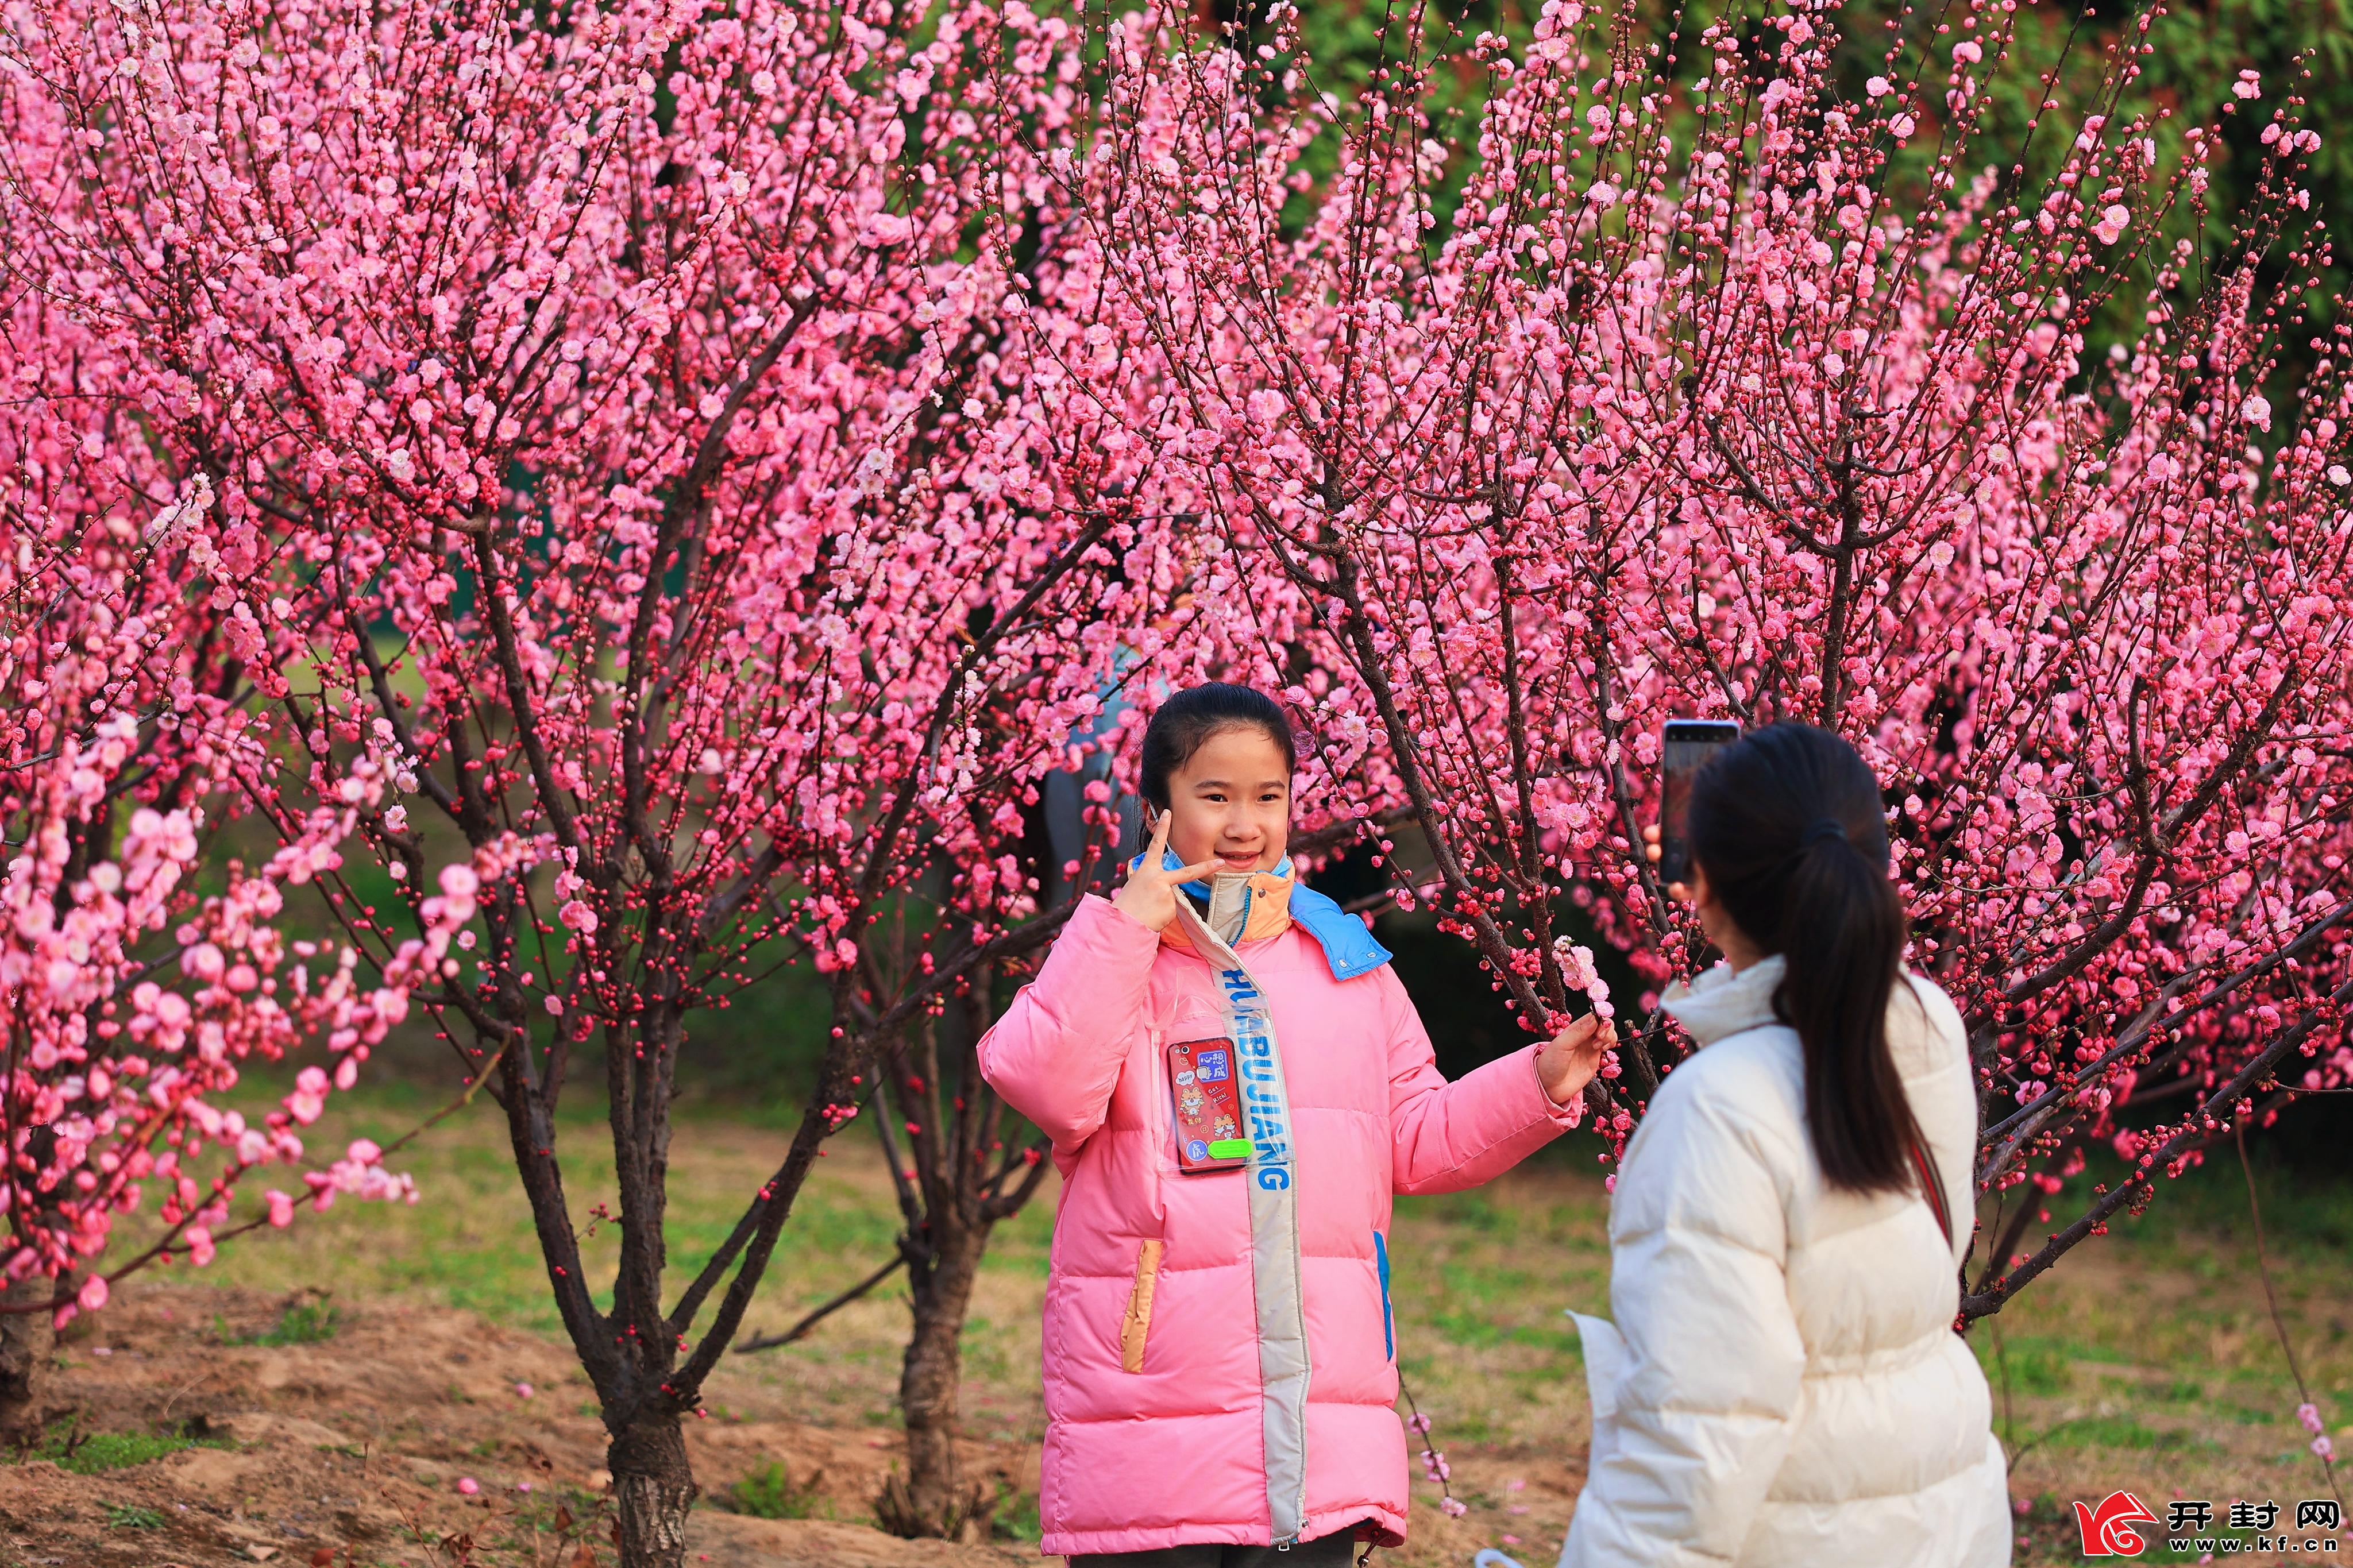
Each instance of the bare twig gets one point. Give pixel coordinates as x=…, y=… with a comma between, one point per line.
x=66, y=1297
x=2270, y=1295
x=801, y=1330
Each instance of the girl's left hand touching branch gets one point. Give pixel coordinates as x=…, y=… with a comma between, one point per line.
x=1566, y=1062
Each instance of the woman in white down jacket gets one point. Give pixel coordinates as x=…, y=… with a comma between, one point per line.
x=1783, y=1384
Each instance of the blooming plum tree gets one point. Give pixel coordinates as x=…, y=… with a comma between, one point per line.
x=1692, y=408
x=642, y=453
x=132, y=996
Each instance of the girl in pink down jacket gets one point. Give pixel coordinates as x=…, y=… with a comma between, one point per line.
x=1219, y=1357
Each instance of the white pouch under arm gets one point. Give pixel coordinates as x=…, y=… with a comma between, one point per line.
x=1605, y=1364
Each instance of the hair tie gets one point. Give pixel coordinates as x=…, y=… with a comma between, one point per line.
x=1823, y=829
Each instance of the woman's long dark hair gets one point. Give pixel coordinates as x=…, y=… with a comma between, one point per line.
x=1787, y=824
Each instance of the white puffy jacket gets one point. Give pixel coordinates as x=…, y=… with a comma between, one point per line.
x=1783, y=1385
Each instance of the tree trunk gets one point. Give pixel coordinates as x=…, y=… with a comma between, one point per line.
x=26, y=1342
x=653, y=1487
x=936, y=1502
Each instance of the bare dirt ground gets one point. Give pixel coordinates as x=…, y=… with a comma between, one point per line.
x=2150, y=1362
x=358, y=1450
x=355, y=1450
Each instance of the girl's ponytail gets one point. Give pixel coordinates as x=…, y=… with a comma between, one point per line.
x=1786, y=823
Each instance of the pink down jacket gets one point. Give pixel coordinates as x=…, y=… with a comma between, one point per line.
x=1153, y=1391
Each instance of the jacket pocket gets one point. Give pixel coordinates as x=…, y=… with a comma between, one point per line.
x=1136, y=1323
x=1389, y=1313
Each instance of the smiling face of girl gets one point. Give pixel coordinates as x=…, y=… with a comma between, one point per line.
x=1231, y=801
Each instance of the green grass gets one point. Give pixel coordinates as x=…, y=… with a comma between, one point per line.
x=130, y=1516
x=93, y=1453
x=1016, y=1519
x=302, y=1323
x=2033, y=1364
x=775, y=1493
x=2113, y=1432
x=2147, y=1359
x=469, y=1244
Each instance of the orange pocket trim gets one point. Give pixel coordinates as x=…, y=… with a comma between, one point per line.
x=1137, y=1320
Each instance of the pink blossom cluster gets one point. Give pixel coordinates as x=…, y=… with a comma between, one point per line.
x=1434, y=1467
x=361, y=1174
x=1578, y=974
x=132, y=998
x=2308, y=1415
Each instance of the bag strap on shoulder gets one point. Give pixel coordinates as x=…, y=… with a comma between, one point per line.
x=1932, y=1187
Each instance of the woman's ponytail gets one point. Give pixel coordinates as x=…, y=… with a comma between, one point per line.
x=1786, y=823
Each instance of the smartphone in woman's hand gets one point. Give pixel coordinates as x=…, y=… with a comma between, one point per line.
x=1685, y=745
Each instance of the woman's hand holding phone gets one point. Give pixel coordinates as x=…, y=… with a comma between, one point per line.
x=1150, y=895
x=1650, y=852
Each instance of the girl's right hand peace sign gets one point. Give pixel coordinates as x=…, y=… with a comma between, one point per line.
x=1150, y=893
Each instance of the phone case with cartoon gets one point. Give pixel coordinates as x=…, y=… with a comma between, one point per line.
x=1207, y=1105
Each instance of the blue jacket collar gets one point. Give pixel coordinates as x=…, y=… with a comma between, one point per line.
x=1347, y=942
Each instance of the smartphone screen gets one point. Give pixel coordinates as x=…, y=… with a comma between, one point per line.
x=1685, y=745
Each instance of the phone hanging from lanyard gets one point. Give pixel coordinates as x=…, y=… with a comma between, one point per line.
x=1205, y=1098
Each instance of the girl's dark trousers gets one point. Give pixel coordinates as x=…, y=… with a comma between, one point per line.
x=1335, y=1551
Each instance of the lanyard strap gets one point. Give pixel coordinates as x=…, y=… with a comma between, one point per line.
x=1272, y=1175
